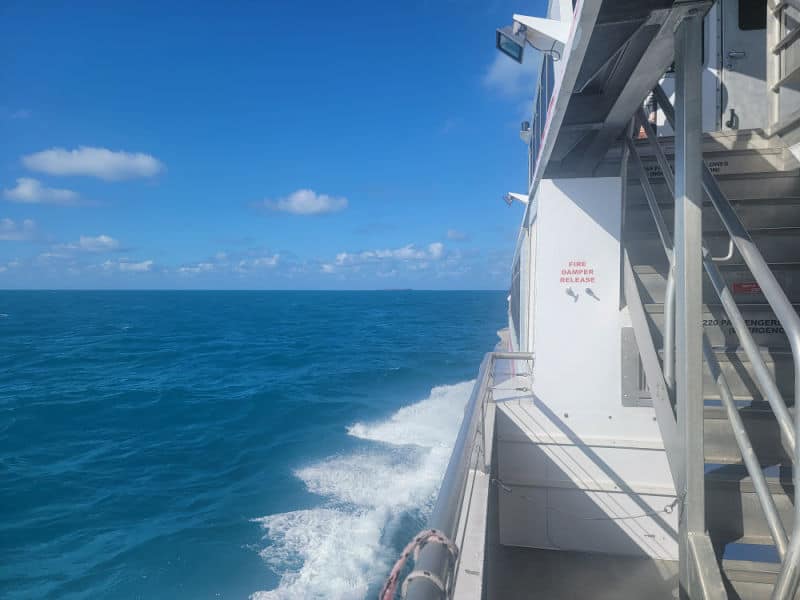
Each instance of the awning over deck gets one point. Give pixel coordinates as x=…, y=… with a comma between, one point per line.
x=630, y=44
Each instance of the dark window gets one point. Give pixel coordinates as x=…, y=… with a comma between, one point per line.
x=544, y=92
x=752, y=14
x=515, y=299
x=548, y=63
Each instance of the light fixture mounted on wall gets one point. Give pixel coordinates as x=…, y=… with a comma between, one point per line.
x=510, y=197
x=546, y=35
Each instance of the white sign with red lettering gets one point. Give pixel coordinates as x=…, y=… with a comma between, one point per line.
x=577, y=271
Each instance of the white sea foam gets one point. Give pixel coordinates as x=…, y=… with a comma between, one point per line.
x=430, y=423
x=321, y=553
x=338, y=551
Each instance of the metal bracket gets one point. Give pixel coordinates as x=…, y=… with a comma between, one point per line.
x=633, y=392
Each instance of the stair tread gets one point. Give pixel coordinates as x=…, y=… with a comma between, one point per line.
x=751, y=566
x=645, y=269
x=763, y=411
x=768, y=354
x=782, y=229
x=734, y=515
x=737, y=476
x=658, y=307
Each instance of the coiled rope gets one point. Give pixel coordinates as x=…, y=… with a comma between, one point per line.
x=414, y=547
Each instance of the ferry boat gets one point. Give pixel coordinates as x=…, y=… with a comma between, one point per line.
x=633, y=434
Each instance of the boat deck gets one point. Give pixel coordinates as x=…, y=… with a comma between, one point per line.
x=511, y=573
x=524, y=573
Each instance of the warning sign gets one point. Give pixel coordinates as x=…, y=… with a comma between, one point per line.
x=746, y=287
x=577, y=271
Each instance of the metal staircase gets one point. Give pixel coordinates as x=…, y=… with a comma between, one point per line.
x=745, y=547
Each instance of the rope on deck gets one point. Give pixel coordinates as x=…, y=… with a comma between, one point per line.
x=428, y=536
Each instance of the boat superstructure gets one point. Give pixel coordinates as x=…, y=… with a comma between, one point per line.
x=634, y=432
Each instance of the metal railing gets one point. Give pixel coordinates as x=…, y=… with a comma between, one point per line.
x=541, y=105
x=742, y=438
x=766, y=280
x=468, y=455
x=664, y=236
x=780, y=71
x=788, y=547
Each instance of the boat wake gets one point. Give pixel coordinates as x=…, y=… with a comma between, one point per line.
x=341, y=549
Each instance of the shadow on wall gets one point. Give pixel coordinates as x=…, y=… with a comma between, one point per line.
x=570, y=526
x=585, y=504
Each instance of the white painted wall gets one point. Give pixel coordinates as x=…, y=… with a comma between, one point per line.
x=578, y=342
x=577, y=335
x=569, y=451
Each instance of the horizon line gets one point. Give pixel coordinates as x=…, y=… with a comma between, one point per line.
x=251, y=290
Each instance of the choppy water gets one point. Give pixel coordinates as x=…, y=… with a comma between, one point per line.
x=225, y=444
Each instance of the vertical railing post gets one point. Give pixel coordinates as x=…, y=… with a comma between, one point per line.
x=688, y=306
x=774, y=20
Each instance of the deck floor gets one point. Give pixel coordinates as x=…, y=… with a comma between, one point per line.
x=526, y=573
x=522, y=573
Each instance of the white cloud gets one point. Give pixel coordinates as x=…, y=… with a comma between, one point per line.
x=222, y=262
x=11, y=231
x=86, y=244
x=266, y=261
x=408, y=252
x=328, y=268
x=511, y=78
x=455, y=234
x=136, y=267
x=306, y=202
x=94, y=162
x=128, y=266
x=260, y=262
x=47, y=257
x=203, y=267
x=100, y=243
x=31, y=191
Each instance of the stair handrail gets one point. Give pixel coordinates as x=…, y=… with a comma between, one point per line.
x=761, y=374
x=751, y=462
x=789, y=577
x=772, y=290
x=741, y=436
x=666, y=242
x=669, y=299
x=763, y=378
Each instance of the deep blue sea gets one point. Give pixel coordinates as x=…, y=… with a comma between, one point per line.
x=225, y=444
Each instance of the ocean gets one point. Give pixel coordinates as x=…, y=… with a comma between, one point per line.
x=264, y=445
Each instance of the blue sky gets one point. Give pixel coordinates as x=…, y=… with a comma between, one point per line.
x=258, y=145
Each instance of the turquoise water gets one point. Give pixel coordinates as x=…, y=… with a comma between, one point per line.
x=225, y=444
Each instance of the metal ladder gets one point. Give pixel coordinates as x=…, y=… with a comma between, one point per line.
x=783, y=65
x=675, y=377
